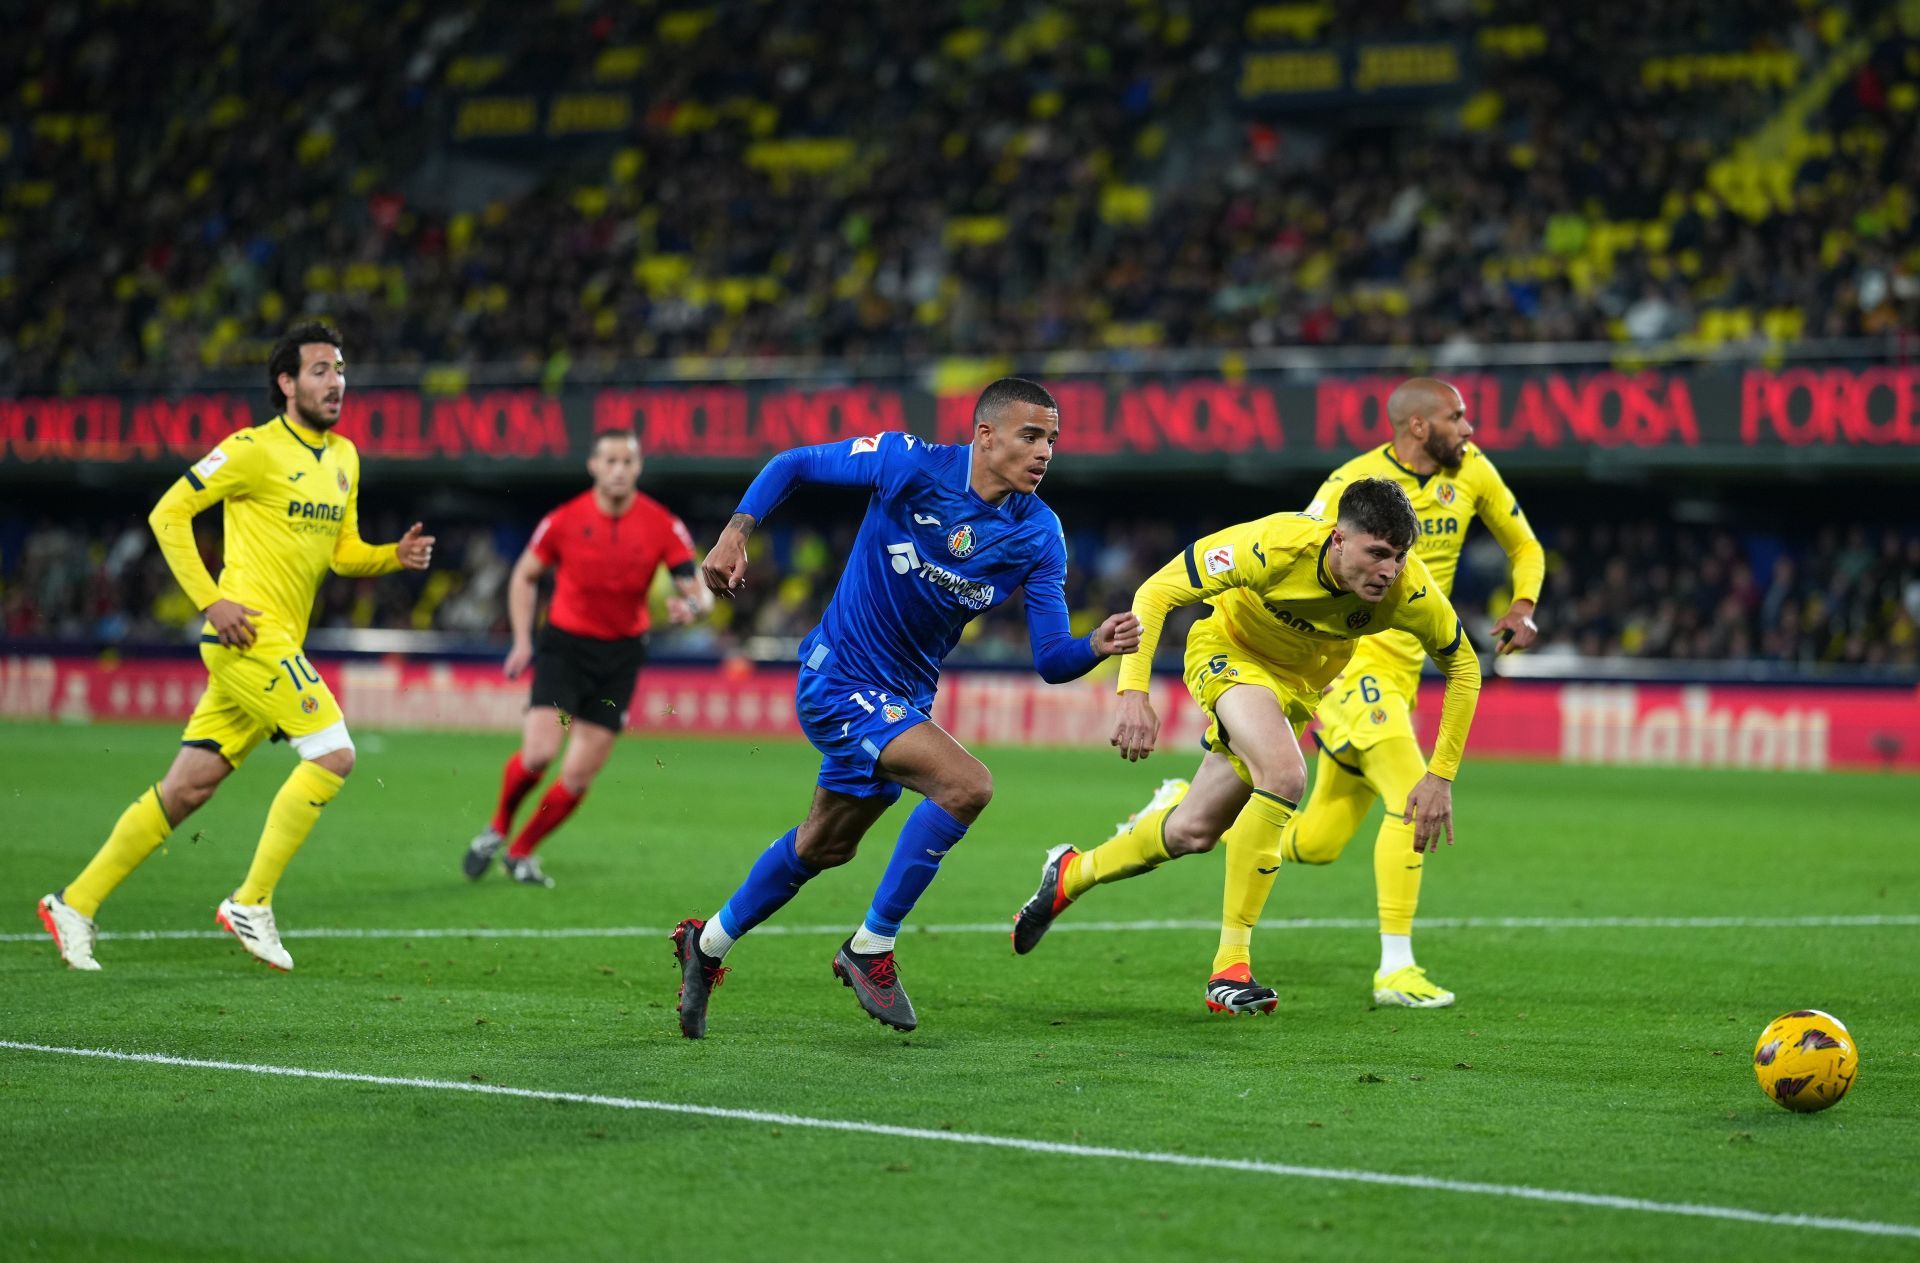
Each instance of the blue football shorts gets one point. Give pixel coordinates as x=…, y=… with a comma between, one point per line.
x=850, y=723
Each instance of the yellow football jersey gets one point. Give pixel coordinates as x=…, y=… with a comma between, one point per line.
x=1274, y=597
x=1446, y=504
x=292, y=512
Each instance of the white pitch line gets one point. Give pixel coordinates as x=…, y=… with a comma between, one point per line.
x=1522, y=1192
x=1082, y=927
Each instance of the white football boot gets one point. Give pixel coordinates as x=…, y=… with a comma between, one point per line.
x=253, y=925
x=72, y=932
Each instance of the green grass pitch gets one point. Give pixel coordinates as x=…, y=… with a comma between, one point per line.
x=1601, y=1059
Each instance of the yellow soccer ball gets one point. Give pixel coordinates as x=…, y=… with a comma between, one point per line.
x=1805, y=1060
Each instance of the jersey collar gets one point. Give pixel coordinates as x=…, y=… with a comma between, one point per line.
x=1320, y=568
x=315, y=443
x=1422, y=479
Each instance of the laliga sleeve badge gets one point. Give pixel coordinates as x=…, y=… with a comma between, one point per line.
x=209, y=463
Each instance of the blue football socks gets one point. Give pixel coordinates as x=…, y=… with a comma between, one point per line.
x=924, y=840
x=775, y=877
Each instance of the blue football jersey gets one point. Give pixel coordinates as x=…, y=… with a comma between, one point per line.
x=931, y=555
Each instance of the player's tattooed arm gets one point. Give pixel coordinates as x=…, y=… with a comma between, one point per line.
x=725, y=569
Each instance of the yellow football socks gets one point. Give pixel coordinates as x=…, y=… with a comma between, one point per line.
x=1253, y=857
x=1140, y=845
x=1319, y=831
x=1395, y=767
x=141, y=827
x=295, y=810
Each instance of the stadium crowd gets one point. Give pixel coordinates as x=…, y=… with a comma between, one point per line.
x=1641, y=588
x=854, y=180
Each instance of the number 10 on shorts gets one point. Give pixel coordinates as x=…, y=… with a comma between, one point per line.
x=298, y=668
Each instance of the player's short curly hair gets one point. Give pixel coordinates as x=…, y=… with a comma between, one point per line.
x=1010, y=390
x=1378, y=506
x=286, y=356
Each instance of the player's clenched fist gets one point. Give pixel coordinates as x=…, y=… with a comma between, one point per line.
x=1119, y=634
x=725, y=568
x=1135, y=732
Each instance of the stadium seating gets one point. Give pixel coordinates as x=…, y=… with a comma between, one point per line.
x=935, y=180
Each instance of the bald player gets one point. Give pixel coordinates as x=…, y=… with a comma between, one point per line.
x=1368, y=749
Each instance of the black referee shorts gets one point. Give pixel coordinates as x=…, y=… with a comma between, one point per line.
x=591, y=680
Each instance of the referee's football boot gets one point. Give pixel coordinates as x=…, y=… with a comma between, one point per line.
x=1233, y=990
x=875, y=981
x=1036, y=915
x=525, y=869
x=699, y=975
x=480, y=853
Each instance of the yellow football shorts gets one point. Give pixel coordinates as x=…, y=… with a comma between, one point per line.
x=1362, y=710
x=266, y=690
x=1215, y=664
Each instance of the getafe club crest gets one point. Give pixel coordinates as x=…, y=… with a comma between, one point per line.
x=1444, y=493
x=960, y=542
x=1359, y=619
x=894, y=711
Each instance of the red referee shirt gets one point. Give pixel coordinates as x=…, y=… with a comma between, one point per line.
x=603, y=566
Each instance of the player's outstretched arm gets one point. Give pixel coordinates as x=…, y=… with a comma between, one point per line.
x=1526, y=562
x=861, y=462
x=1059, y=655
x=1438, y=628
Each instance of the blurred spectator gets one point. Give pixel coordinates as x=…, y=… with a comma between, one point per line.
x=858, y=180
x=1641, y=588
